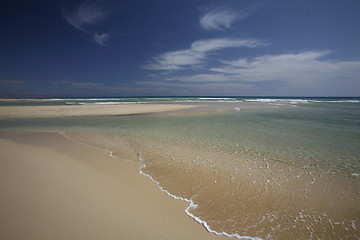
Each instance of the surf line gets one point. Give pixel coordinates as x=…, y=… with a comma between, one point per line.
x=192, y=205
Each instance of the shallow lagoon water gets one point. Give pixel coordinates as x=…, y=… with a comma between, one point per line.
x=262, y=168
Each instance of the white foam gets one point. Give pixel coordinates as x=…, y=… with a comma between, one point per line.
x=353, y=224
x=296, y=101
x=102, y=103
x=192, y=205
x=62, y=133
x=273, y=100
x=52, y=99
x=94, y=99
x=205, y=101
x=336, y=101
x=217, y=98
x=261, y=100
x=83, y=99
x=110, y=103
x=299, y=100
x=355, y=175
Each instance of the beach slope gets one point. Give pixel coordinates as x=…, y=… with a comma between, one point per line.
x=54, y=188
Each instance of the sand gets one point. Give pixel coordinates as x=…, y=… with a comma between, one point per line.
x=54, y=188
x=7, y=112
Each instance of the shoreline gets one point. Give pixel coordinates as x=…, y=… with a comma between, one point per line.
x=143, y=205
x=191, y=204
x=11, y=112
x=276, y=197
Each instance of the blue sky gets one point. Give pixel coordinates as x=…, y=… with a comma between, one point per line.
x=180, y=48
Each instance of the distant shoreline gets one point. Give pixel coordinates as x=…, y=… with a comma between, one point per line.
x=206, y=96
x=8, y=112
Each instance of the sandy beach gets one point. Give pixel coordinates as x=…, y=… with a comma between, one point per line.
x=85, y=110
x=55, y=185
x=126, y=120
x=54, y=188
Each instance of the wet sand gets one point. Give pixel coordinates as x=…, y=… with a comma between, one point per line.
x=54, y=188
x=8, y=112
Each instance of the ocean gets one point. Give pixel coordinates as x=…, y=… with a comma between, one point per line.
x=249, y=167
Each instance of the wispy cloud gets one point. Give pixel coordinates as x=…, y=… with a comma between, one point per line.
x=101, y=39
x=220, y=18
x=85, y=17
x=197, y=53
x=201, y=78
x=293, y=72
x=287, y=67
x=61, y=83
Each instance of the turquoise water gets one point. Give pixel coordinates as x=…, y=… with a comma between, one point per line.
x=282, y=167
x=316, y=132
x=129, y=100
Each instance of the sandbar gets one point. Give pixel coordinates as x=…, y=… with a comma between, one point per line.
x=8, y=112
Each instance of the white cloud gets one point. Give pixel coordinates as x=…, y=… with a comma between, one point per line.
x=87, y=16
x=218, y=19
x=201, y=78
x=221, y=43
x=304, y=73
x=306, y=68
x=101, y=39
x=300, y=67
x=84, y=16
x=197, y=53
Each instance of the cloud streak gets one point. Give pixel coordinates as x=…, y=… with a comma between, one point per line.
x=198, y=53
x=101, y=39
x=220, y=18
x=293, y=73
x=287, y=67
x=85, y=17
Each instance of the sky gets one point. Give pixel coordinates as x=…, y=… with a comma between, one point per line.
x=179, y=48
